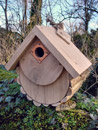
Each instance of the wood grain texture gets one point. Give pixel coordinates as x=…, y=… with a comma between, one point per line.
x=80, y=78
x=67, y=54
x=36, y=103
x=22, y=90
x=18, y=80
x=29, y=98
x=49, y=94
x=56, y=104
x=11, y=65
x=64, y=36
x=17, y=70
x=43, y=73
x=45, y=105
x=68, y=95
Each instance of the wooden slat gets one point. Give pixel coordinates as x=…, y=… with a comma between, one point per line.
x=20, y=51
x=67, y=54
x=63, y=35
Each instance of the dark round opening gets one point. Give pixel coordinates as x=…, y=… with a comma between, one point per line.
x=39, y=52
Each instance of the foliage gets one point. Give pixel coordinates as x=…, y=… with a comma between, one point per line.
x=91, y=83
x=90, y=105
x=9, y=41
x=87, y=42
x=16, y=112
x=6, y=75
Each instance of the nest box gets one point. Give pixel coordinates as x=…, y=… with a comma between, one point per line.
x=46, y=62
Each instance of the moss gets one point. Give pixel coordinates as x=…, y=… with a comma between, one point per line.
x=27, y=116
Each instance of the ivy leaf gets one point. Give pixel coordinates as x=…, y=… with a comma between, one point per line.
x=5, y=89
x=1, y=92
x=97, y=110
x=2, y=67
x=53, y=121
x=1, y=99
x=94, y=117
x=17, y=101
x=1, y=85
x=8, y=99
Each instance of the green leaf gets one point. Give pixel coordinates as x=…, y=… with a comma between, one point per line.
x=8, y=99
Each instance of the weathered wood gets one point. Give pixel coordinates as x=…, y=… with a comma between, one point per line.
x=66, y=106
x=22, y=90
x=67, y=54
x=68, y=95
x=45, y=105
x=17, y=70
x=76, y=84
x=46, y=94
x=43, y=73
x=11, y=65
x=56, y=104
x=29, y=98
x=18, y=80
x=64, y=36
x=36, y=103
x=80, y=78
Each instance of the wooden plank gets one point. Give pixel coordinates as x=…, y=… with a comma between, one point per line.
x=63, y=35
x=80, y=78
x=43, y=73
x=20, y=51
x=67, y=54
x=48, y=94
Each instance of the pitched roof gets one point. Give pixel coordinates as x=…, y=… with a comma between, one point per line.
x=59, y=45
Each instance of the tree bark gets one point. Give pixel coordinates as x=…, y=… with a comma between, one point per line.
x=6, y=17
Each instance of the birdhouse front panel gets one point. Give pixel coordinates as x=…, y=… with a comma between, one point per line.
x=40, y=66
x=42, y=77
x=43, y=63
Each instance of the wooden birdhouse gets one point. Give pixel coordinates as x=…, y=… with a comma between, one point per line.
x=46, y=62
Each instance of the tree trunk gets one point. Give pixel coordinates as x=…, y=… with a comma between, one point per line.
x=24, y=15
x=35, y=14
x=6, y=18
x=87, y=16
